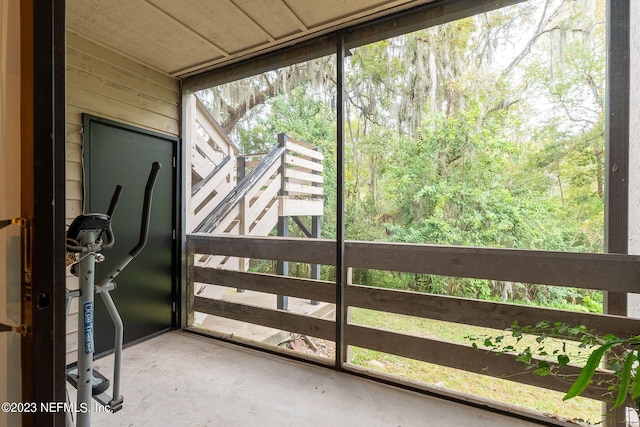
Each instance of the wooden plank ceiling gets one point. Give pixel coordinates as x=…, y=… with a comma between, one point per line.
x=184, y=37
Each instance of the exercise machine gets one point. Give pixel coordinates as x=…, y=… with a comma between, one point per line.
x=87, y=236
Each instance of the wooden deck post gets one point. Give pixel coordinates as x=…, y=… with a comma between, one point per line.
x=314, y=269
x=189, y=285
x=282, y=267
x=617, y=148
x=244, y=208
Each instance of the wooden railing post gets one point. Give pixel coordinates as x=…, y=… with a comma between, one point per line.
x=242, y=216
x=283, y=225
x=190, y=285
x=347, y=316
x=316, y=222
x=315, y=233
x=282, y=267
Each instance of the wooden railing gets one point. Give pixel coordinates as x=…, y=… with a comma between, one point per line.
x=249, y=199
x=606, y=272
x=284, y=182
x=291, y=186
x=302, y=181
x=228, y=196
x=211, y=157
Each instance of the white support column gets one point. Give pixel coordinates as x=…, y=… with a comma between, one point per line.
x=189, y=120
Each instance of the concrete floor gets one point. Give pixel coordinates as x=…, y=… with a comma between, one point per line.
x=181, y=379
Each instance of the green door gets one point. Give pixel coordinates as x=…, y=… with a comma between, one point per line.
x=146, y=288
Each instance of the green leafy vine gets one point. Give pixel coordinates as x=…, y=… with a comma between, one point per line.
x=546, y=348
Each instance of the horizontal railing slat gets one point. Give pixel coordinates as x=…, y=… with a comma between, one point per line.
x=487, y=314
x=285, y=321
x=316, y=290
x=299, y=162
x=607, y=272
x=315, y=251
x=461, y=357
x=303, y=149
x=611, y=272
x=303, y=176
x=303, y=189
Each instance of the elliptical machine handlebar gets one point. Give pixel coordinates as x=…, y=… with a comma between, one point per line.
x=114, y=200
x=146, y=209
x=110, y=238
x=144, y=227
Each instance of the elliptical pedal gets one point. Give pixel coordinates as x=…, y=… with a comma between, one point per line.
x=99, y=385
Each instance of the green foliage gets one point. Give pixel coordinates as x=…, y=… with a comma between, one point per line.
x=461, y=189
x=487, y=131
x=305, y=118
x=301, y=117
x=293, y=113
x=558, y=345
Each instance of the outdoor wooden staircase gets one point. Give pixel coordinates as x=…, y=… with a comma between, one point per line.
x=247, y=194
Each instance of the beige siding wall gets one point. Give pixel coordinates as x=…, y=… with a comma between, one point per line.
x=105, y=84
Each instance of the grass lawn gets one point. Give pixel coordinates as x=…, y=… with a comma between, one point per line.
x=496, y=389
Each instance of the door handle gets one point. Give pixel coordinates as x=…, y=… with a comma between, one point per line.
x=26, y=247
